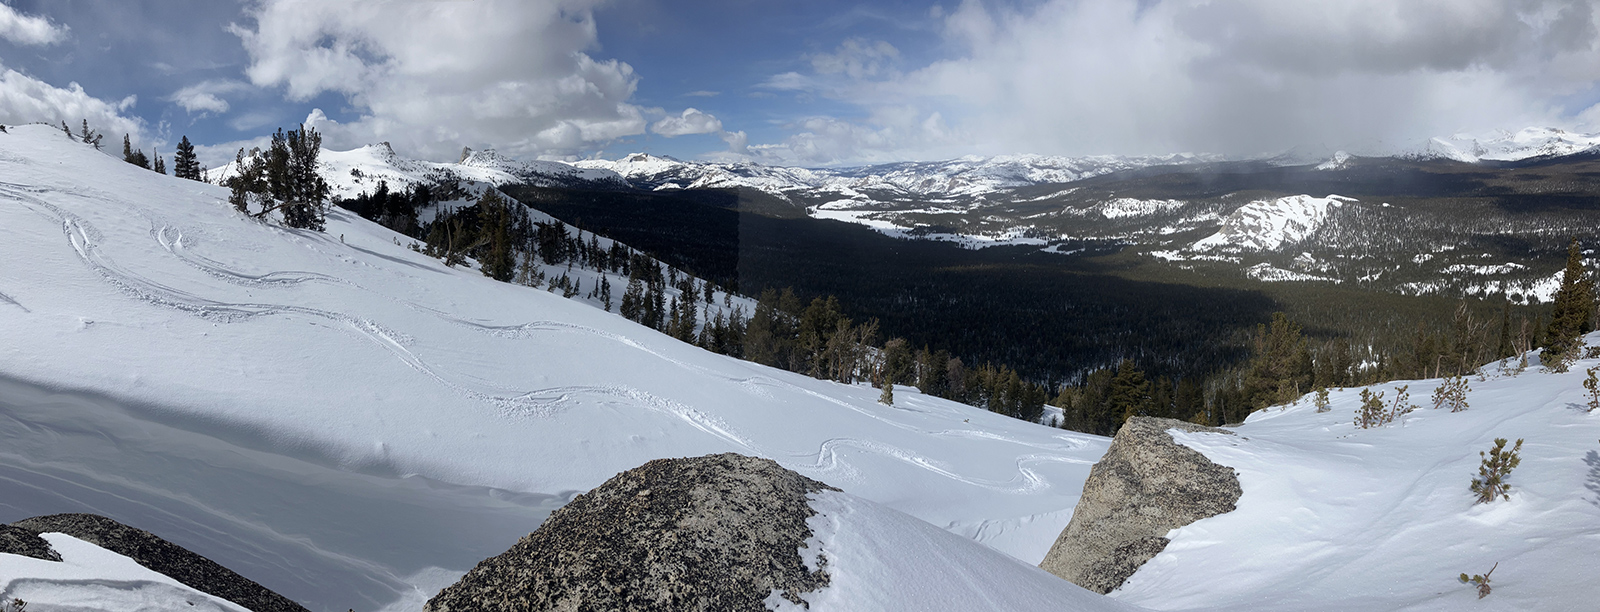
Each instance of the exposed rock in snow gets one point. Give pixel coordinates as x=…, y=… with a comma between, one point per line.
x=1269, y=225
x=1145, y=486
x=719, y=532
x=163, y=557
x=19, y=541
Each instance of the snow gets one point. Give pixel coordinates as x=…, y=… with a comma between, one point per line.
x=1505, y=146
x=1268, y=273
x=355, y=425
x=1269, y=225
x=1339, y=518
x=92, y=578
x=880, y=559
x=1339, y=161
x=350, y=422
x=1133, y=207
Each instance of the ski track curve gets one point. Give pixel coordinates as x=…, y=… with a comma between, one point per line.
x=85, y=238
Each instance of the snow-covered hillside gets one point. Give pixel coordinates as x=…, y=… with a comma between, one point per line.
x=1339, y=518
x=351, y=173
x=1269, y=225
x=965, y=177
x=1505, y=146
x=353, y=424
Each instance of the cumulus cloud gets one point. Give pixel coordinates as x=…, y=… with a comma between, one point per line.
x=1229, y=76
x=28, y=29
x=690, y=122
x=24, y=99
x=206, y=97
x=431, y=77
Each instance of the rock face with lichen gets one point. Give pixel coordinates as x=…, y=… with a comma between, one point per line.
x=1145, y=486
x=714, y=533
x=148, y=550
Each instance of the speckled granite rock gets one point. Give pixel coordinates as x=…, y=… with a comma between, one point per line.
x=19, y=541
x=1145, y=486
x=714, y=533
x=161, y=556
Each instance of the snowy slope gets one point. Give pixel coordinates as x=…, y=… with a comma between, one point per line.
x=1505, y=146
x=1269, y=225
x=964, y=177
x=351, y=173
x=1339, y=518
x=352, y=424
x=92, y=578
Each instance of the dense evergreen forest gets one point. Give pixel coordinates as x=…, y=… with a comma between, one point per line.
x=1050, y=317
x=1106, y=341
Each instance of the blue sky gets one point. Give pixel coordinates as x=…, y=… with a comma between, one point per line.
x=817, y=82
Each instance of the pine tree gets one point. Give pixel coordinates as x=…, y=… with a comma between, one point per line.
x=887, y=397
x=161, y=165
x=185, y=164
x=1573, y=312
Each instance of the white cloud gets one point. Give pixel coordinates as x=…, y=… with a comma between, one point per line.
x=28, y=29
x=857, y=58
x=690, y=122
x=431, y=77
x=1230, y=76
x=24, y=99
x=205, y=97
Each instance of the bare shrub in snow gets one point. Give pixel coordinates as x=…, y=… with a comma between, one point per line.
x=15, y=605
x=1480, y=581
x=1451, y=394
x=1593, y=385
x=1497, y=465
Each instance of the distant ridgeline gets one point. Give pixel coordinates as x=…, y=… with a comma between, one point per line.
x=1102, y=335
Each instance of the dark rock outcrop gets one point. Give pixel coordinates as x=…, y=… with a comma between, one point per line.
x=713, y=533
x=19, y=541
x=1145, y=486
x=163, y=557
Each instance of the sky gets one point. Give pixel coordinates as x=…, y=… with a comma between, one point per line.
x=808, y=83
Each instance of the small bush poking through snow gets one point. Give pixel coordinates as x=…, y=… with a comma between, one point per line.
x=1321, y=402
x=1482, y=582
x=1452, y=394
x=1593, y=385
x=1372, y=412
x=15, y=605
x=1497, y=464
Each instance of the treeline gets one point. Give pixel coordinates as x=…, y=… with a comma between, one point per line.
x=818, y=340
x=1285, y=364
x=185, y=163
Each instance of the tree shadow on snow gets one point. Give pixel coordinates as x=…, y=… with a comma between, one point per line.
x=1593, y=482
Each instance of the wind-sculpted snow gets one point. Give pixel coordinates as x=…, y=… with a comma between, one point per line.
x=344, y=360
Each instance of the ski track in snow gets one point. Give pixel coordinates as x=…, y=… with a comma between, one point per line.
x=85, y=238
x=827, y=461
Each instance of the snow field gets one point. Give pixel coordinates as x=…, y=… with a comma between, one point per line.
x=351, y=423
x=1339, y=518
